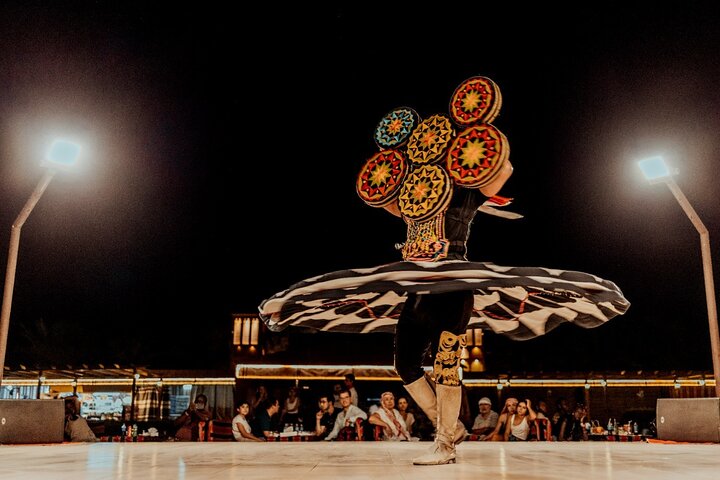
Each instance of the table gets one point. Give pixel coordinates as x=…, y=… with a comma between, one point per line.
x=604, y=437
x=293, y=437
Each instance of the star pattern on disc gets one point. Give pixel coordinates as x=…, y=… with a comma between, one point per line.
x=475, y=100
x=381, y=177
x=474, y=154
x=425, y=191
x=430, y=139
x=395, y=127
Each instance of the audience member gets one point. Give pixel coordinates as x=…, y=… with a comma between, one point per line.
x=389, y=419
x=76, y=427
x=498, y=435
x=336, y=396
x=543, y=424
x=562, y=413
x=350, y=387
x=241, y=426
x=486, y=420
x=403, y=407
x=258, y=398
x=542, y=410
x=189, y=422
x=325, y=417
x=573, y=428
x=291, y=408
x=346, y=419
x=266, y=418
x=517, y=427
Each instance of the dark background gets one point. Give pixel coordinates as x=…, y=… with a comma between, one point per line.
x=222, y=144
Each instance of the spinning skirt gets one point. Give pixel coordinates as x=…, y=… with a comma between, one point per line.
x=518, y=302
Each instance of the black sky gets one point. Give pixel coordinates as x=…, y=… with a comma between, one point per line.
x=223, y=144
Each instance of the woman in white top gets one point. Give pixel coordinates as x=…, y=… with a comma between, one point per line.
x=291, y=409
x=241, y=427
x=518, y=427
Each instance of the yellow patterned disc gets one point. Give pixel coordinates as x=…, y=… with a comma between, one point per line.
x=429, y=141
x=426, y=191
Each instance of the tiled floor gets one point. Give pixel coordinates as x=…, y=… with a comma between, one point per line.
x=365, y=460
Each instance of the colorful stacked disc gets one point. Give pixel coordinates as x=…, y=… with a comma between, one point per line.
x=381, y=178
x=429, y=141
x=426, y=191
x=476, y=100
x=476, y=156
x=395, y=128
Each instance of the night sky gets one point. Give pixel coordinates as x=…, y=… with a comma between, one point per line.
x=222, y=146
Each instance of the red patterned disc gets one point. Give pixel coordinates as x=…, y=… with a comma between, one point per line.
x=426, y=191
x=476, y=155
x=476, y=100
x=381, y=178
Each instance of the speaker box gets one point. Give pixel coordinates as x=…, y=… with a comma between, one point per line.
x=32, y=421
x=688, y=419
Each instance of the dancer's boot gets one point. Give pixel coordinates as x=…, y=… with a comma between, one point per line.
x=424, y=395
x=449, y=400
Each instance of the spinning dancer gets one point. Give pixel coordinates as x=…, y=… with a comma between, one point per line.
x=436, y=178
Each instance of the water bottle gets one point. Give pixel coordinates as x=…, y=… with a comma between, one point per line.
x=123, y=431
x=635, y=428
x=134, y=432
x=610, y=426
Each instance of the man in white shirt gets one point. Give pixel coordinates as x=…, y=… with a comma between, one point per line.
x=486, y=420
x=347, y=417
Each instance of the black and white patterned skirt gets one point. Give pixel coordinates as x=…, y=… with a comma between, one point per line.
x=518, y=302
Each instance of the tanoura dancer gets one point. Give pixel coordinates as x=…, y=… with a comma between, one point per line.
x=436, y=174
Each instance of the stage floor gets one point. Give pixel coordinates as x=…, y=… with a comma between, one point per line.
x=363, y=460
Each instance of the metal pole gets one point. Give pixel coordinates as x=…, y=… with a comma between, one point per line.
x=12, y=264
x=708, y=274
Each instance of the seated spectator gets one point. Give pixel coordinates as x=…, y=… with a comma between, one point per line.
x=498, y=435
x=542, y=426
x=291, y=408
x=189, y=422
x=403, y=405
x=387, y=417
x=486, y=420
x=257, y=399
x=517, y=427
x=350, y=387
x=542, y=410
x=563, y=412
x=572, y=428
x=325, y=417
x=76, y=427
x=242, y=432
x=266, y=422
x=344, y=428
x=336, y=396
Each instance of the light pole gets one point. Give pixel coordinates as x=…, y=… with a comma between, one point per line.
x=655, y=171
x=61, y=154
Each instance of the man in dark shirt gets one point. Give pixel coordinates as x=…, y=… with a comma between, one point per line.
x=264, y=423
x=325, y=417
